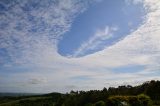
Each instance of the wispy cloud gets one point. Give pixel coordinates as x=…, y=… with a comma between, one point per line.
x=134, y=1
x=37, y=81
x=96, y=41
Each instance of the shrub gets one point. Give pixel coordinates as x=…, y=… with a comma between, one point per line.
x=100, y=103
x=140, y=100
x=144, y=100
x=89, y=104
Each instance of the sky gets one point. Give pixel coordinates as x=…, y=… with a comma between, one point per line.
x=62, y=45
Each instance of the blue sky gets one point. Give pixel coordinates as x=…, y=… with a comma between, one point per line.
x=63, y=45
x=116, y=14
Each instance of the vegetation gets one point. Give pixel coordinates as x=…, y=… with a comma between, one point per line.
x=140, y=100
x=147, y=94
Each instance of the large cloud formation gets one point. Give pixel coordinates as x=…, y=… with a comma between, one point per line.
x=29, y=35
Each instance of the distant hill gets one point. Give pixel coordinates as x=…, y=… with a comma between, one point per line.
x=146, y=94
x=18, y=94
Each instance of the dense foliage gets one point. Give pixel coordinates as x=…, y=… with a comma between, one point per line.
x=147, y=94
x=140, y=100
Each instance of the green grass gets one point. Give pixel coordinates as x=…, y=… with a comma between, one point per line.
x=20, y=102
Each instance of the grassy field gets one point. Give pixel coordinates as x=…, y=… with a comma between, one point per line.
x=33, y=101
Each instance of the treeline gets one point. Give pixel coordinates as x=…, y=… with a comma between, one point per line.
x=147, y=94
x=82, y=98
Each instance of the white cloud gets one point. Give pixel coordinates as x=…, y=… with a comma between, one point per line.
x=29, y=30
x=135, y=2
x=96, y=40
x=142, y=47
